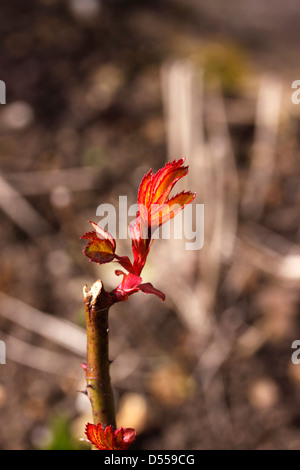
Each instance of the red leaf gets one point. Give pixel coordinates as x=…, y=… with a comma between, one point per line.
x=161, y=214
x=155, y=207
x=103, y=235
x=129, y=436
x=95, y=435
x=101, y=245
x=166, y=178
x=130, y=282
x=108, y=439
x=155, y=188
x=99, y=251
x=148, y=288
x=143, y=187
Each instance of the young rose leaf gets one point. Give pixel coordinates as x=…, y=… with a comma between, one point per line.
x=103, y=235
x=108, y=439
x=161, y=214
x=98, y=250
x=148, y=288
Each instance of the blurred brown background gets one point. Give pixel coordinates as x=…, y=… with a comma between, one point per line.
x=97, y=93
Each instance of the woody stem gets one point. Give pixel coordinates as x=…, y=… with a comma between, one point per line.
x=98, y=385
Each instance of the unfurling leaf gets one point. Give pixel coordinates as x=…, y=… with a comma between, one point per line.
x=155, y=209
x=98, y=250
x=108, y=439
